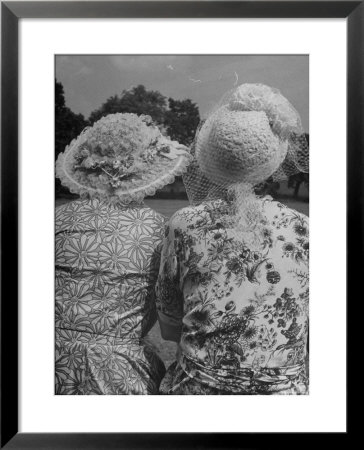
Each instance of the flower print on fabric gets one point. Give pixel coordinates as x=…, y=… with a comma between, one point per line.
x=243, y=311
x=107, y=261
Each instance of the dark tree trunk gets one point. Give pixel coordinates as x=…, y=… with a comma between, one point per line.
x=296, y=189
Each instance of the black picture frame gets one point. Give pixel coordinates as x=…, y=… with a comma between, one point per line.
x=11, y=13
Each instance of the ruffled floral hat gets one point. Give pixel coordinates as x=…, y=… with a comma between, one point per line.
x=122, y=157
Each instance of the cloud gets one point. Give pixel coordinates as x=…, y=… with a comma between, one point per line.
x=194, y=80
x=84, y=71
x=142, y=62
x=72, y=66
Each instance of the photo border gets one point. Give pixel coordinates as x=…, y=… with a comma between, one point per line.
x=11, y=13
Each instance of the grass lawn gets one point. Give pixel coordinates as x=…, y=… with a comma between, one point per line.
x=167, y=349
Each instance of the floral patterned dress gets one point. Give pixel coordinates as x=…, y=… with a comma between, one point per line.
x=107, y=260
x=243, y=312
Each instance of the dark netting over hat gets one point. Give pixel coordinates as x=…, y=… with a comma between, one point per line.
x=254, y=133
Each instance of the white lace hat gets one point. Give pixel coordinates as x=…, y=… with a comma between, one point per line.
x=253, y=133
x=235, y=146
x=122, y=157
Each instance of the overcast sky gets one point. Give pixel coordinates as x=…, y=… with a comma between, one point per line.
x=88, y=80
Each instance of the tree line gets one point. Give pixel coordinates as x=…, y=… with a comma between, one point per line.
x=176, y=118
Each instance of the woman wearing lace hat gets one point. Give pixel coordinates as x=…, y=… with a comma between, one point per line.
x=233, y=282
x=107, y=256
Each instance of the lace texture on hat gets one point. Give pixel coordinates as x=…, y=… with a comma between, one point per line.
x=122, y=158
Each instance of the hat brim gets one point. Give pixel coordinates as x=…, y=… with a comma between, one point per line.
x=154, y=176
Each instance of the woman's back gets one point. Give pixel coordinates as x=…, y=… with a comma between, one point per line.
x=244, y=310
x=107, y=260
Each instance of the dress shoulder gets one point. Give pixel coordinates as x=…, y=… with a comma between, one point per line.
x=153, y=214
x=275, y=208
x=66, y=206
x=187, y=216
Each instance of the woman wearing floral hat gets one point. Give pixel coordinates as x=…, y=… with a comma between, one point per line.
x=107, y=256
x=233, y=283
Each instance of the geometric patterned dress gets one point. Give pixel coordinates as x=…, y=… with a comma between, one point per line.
x=243, y=312
x=107, y=261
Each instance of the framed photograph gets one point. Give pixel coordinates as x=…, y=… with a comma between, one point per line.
x=156, y=184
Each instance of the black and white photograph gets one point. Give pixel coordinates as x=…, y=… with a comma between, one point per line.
x=167, y=167
x=181, y=224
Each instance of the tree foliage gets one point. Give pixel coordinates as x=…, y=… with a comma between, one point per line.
x=137, y=100
x=68, y=125
x=181, y=120
x=176, y=118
